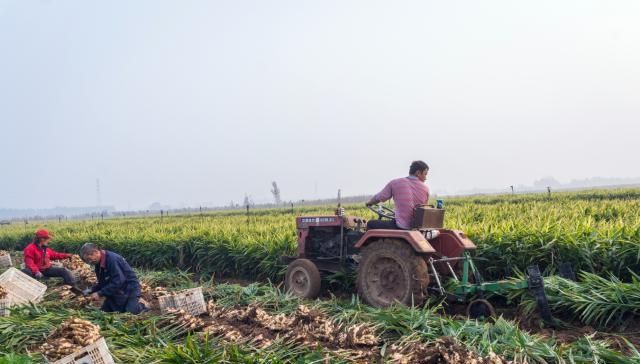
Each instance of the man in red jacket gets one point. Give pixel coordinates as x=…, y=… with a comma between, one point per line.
x=38, y=257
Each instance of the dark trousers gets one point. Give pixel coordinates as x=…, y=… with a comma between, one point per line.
x=51, y=272
x=123, y=303
x=382, y=224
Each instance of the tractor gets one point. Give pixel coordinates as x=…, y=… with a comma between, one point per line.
x=398, y=266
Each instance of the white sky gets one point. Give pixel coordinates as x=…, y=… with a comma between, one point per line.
x=203, y=101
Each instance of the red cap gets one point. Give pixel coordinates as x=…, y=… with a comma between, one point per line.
x=42, y=233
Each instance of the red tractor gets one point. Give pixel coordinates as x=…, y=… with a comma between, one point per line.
x=397, y=266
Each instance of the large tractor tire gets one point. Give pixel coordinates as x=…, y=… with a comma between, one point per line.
x=391, y=272
x=303, y=279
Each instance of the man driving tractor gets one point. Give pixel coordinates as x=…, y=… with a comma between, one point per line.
x=407, y=193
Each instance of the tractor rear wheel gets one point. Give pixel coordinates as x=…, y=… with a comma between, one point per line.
x=391, y=272
x=303, y=279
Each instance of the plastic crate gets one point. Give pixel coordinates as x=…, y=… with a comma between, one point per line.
x=21, y=287
x=5, y=261
x=96, y=353
x=5, y=304
x=191, y=300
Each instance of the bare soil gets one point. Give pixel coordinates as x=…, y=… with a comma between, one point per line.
x=359, y=343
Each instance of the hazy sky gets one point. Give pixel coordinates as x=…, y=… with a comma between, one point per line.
x=203, y=101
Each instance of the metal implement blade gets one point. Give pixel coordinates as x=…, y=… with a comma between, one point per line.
x=536, y=286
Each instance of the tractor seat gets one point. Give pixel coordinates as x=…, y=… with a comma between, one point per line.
x=382, y=224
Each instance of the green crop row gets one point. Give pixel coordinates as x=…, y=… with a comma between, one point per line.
x=597, y=231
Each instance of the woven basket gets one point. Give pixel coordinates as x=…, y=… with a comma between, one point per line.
x=191, y=300
x=96, y=353
x=5, y=304
x=21, y=287
x=5, y=261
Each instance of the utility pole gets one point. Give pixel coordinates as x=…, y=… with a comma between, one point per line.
x=512, y=191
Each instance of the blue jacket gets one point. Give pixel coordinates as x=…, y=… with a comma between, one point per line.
x=116, y=277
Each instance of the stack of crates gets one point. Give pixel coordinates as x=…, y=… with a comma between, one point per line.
x=190, y=300
x=96, y=353
x=21, y=289
x=5, y=261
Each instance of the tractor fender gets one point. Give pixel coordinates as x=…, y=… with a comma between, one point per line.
x=412, y=237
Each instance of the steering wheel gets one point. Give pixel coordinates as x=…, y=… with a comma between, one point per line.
x=383, y=211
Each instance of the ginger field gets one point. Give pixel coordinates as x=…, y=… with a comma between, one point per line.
x=256, y=322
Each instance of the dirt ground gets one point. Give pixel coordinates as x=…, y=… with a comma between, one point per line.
x=246, y=322
x=357, y=343
x=307, y=328
x=310, y=328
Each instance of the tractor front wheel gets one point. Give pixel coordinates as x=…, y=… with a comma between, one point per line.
x=303, y=279
x=391, y=272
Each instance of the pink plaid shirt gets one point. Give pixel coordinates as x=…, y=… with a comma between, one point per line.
x=407, y=193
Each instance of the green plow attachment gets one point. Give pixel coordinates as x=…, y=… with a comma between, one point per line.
x=465, y=288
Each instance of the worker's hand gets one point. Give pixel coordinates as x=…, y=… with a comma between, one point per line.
x=86, y=292
x=369, y=203
x=39, y=275
x=94, y=296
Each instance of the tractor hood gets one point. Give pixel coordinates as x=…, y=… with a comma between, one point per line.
x=349, y=222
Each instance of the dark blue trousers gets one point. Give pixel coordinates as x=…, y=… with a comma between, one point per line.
x=123, y=303
x=64, y=273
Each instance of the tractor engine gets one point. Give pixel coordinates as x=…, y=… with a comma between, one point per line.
x=319, y=237
x=323, y=242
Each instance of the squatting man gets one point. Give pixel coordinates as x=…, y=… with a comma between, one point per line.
x=38, y=256
x=117, y=282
